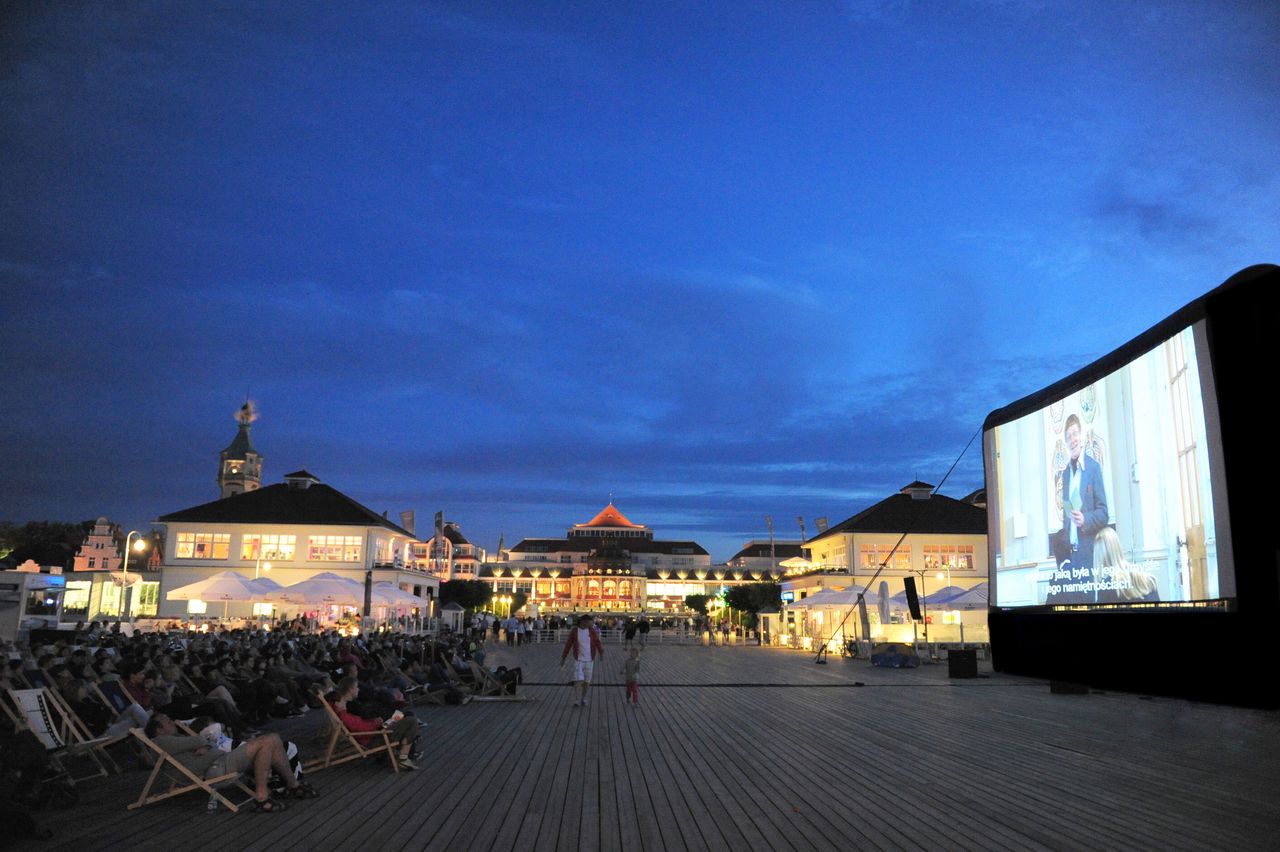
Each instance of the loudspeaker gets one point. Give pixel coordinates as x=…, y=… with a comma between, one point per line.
x=913, y=600
x=962, y=663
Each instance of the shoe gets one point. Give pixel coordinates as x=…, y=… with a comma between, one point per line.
x=578, y=703
x=407, y=763
x=280, y=699
x=415, y=754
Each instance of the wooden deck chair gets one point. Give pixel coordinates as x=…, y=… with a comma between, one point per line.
x=37, y=678
x=80, y=734
x=43, y=714
x=344, y=746
x=181, y=780
x=489, y=688
x=114, y=695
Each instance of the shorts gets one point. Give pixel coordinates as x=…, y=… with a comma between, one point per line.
x=582, y=670
x=237, y=760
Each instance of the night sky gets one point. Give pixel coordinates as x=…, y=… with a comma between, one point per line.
x=719, y=260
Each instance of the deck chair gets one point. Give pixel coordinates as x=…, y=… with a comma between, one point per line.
x=181, y=780
x=114, y=695
x=81, y=735
x=37, y=678
x=489, y=688
x=344, y=746
x=44, y=714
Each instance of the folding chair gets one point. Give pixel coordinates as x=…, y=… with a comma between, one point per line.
x=42, y=713
x=181, y=779
x=344, y=746
x=489, y=688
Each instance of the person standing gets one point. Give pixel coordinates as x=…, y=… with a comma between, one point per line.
x=631, y=674
x=585, y=644
x=1084, y=513
x=643, y=629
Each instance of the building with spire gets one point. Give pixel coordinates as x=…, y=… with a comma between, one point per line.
x=240, y=465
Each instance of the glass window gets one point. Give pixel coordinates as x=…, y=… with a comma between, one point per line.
x=76, y=600
x=146, y=597
x=333, y=548
x=203, y=546
x=110, y=603
x=280, y=547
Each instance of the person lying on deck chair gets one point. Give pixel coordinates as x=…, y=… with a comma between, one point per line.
x=261, y=754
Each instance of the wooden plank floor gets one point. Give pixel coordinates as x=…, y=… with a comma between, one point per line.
x=743, y=747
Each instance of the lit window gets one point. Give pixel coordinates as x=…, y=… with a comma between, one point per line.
x=203, y=546
x=333, y=548
x=281, y=547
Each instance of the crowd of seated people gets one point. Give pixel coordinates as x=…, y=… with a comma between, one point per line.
x=241, y=680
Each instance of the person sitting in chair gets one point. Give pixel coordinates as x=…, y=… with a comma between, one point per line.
x=261, y=754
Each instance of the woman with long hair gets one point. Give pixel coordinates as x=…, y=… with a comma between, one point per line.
x=1109, y=565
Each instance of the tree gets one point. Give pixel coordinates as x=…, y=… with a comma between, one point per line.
x=468, y=594
x=753, y=597
x=697, y=603
x=45, y=542
x=518, y=600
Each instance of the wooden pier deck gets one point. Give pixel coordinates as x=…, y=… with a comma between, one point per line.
x=749, y=748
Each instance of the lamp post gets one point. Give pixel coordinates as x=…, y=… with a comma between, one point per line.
x=259, y=565
x=140, y=545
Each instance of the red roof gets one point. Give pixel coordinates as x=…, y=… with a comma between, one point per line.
x=609, y=517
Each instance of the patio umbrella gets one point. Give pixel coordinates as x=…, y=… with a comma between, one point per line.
x=884, y=601
x=389, y=594
x=225, y=586
x=974, y=598
x=943, y=595
x=323, y=588
x=265, y=584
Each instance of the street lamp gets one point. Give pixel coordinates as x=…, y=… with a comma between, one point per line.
x=139, y=545
x=259, y=565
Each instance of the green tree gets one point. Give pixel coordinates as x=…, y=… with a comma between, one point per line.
x=45, y=542
x=753, y=597
x=697, y=603
x=468, y=594
x=518, y=600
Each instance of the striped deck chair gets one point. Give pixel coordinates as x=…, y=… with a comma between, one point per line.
x=44, y=714
x=180, y=779
x=489, y=688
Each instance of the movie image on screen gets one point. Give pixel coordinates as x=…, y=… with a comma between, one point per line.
x=1106, y=496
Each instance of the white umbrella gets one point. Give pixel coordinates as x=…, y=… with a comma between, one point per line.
x=265, y=584
x=389, y=594
x=974, y=598
x=225, y=586
x=323, y=588
x=837, y=598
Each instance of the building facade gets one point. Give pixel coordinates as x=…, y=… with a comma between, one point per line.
x=610, y=564
x=945, y=548
x=288, y=531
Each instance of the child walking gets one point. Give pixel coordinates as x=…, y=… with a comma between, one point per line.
x=631, y=671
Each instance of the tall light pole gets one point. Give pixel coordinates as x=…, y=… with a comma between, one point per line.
x=140, y=546
x=259, y=565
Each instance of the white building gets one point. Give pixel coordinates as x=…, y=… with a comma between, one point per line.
x=288, y=532
x=945, y=546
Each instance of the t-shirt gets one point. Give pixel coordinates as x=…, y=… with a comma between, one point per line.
x=584, y=645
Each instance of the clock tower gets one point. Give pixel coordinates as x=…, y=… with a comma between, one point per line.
x=240, y=465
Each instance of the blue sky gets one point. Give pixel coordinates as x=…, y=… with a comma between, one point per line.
x=721, y=260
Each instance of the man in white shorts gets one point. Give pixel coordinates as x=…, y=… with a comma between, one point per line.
x=584, y=642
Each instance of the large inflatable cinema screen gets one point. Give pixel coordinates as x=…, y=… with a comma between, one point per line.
x=1124, y=503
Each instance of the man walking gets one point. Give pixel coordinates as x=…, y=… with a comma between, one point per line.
x=584, y=641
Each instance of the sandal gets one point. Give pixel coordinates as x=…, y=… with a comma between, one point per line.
x=303, y=791
x=267, y=806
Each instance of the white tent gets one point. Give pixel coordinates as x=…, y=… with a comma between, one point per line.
x=389, y=594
